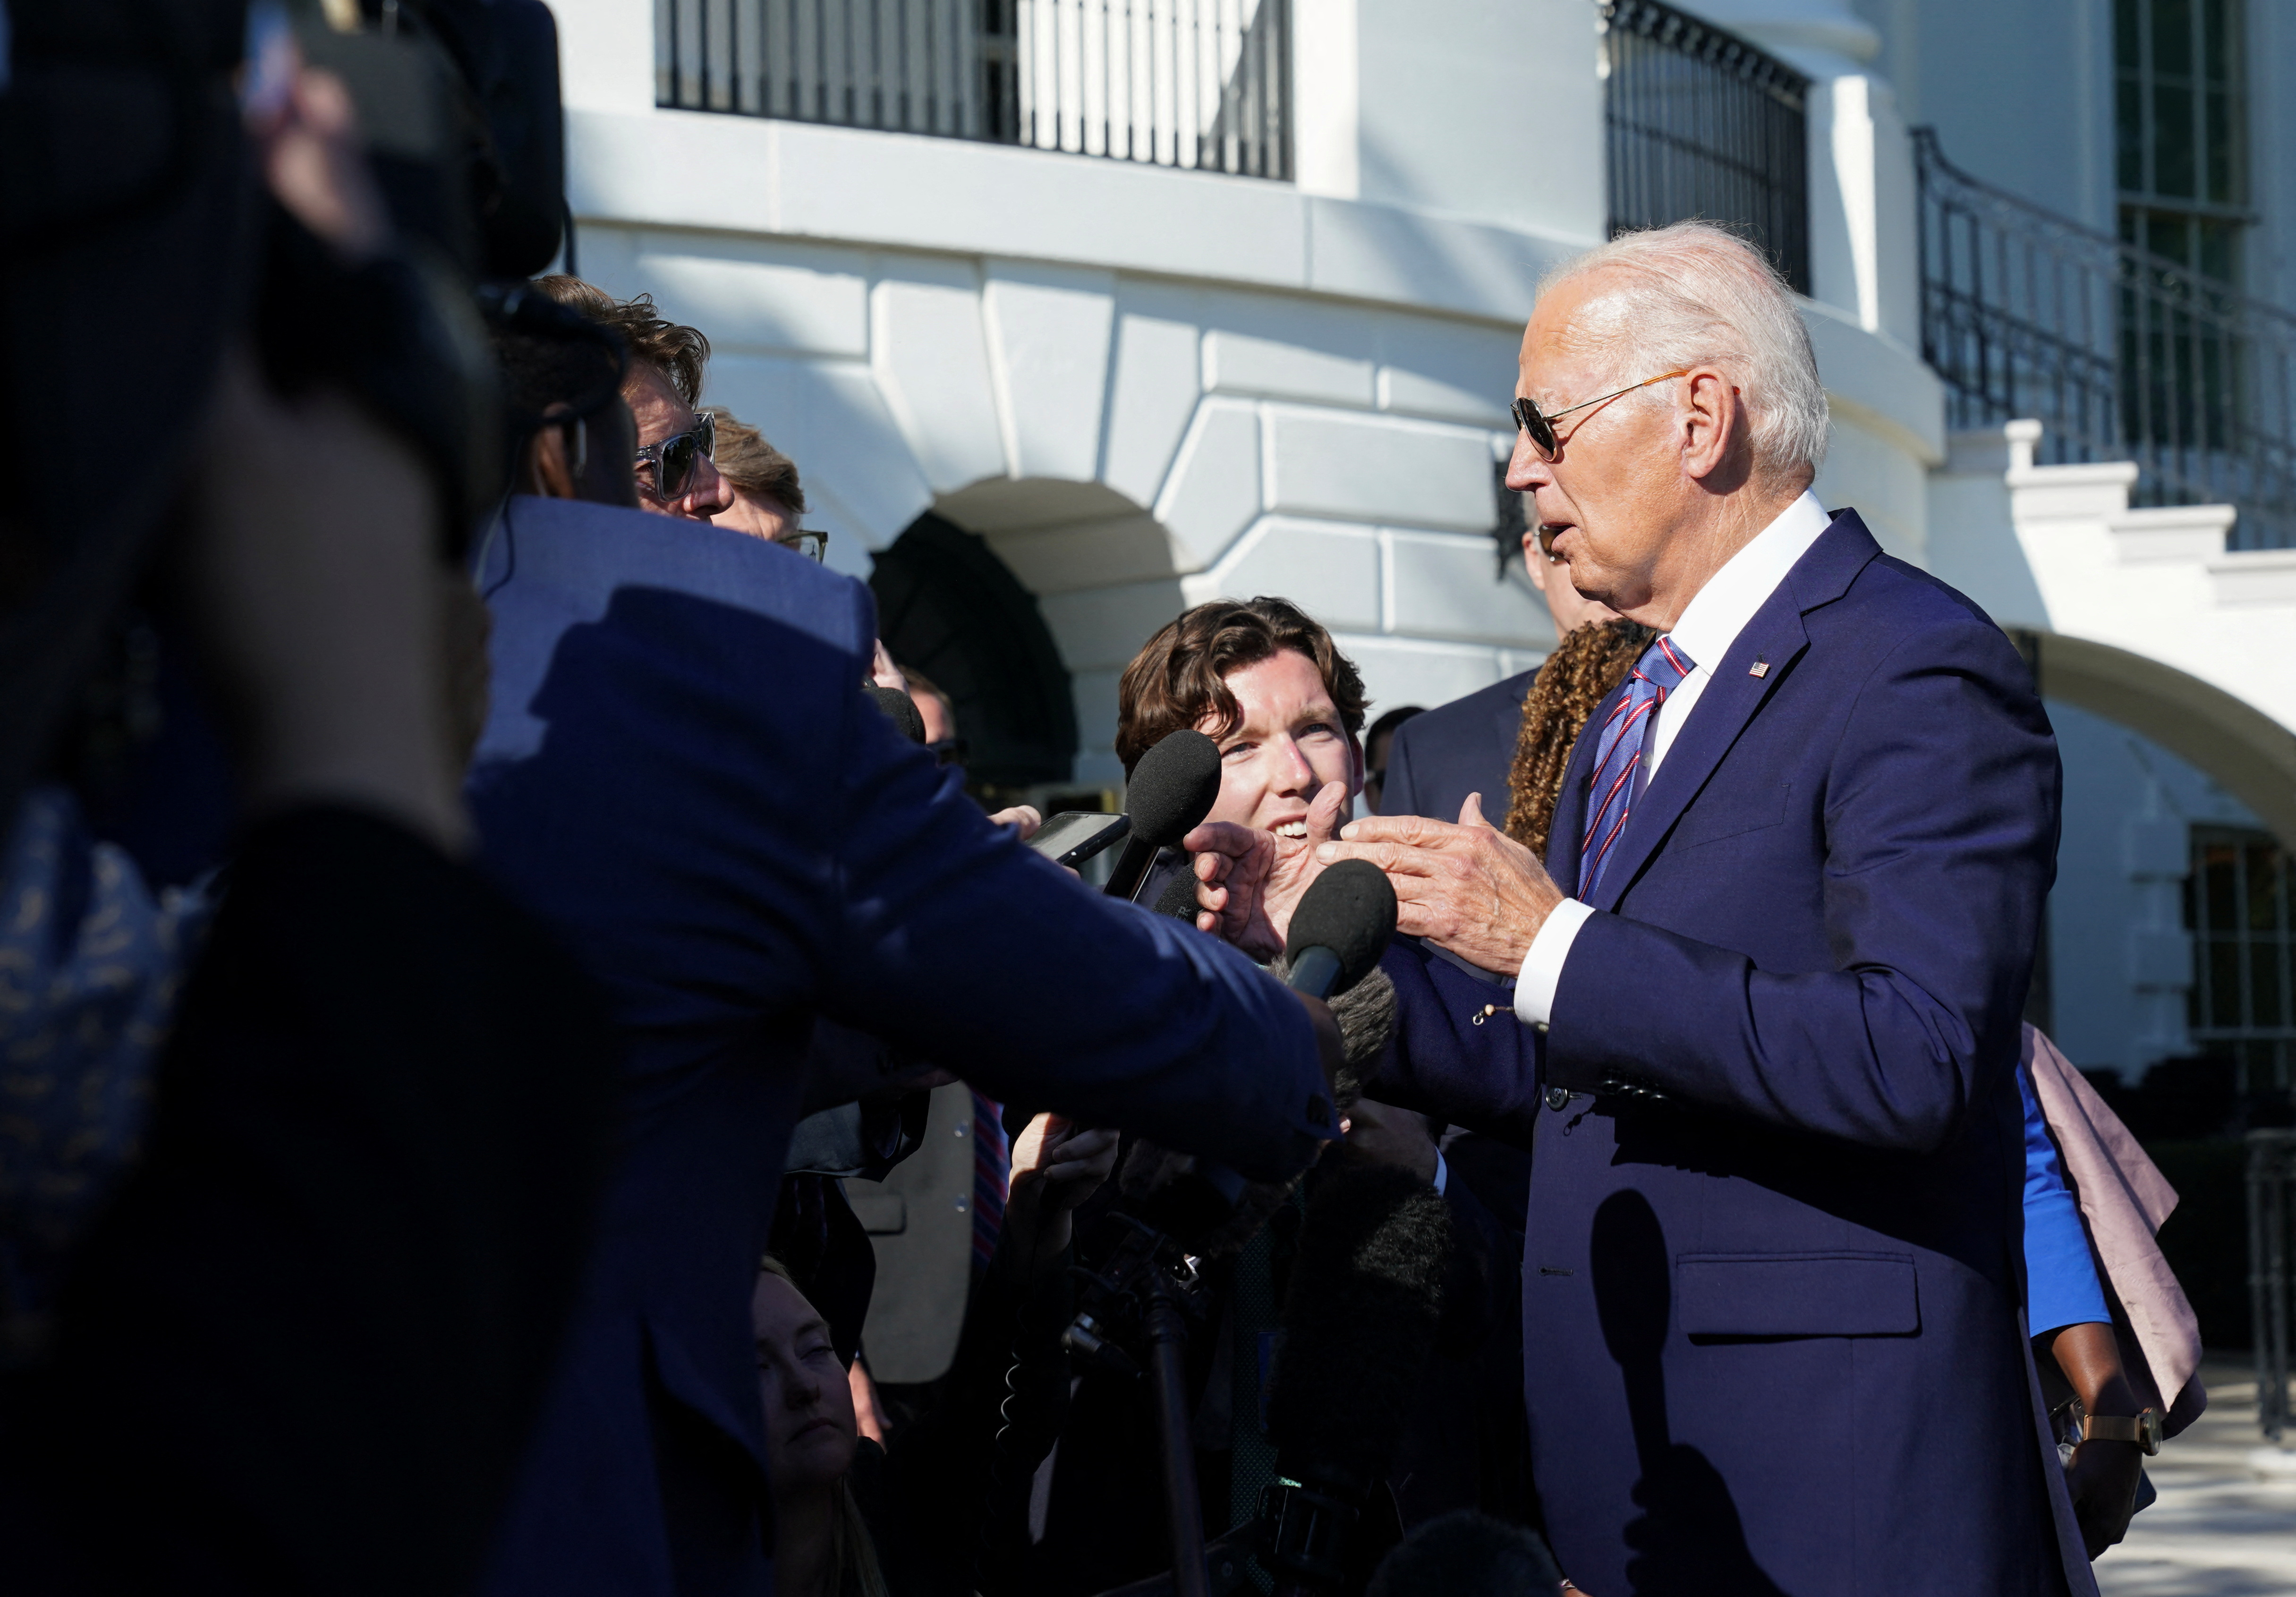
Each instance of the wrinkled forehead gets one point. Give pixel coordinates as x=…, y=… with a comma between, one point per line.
x=654, y=404
x=1573, y=335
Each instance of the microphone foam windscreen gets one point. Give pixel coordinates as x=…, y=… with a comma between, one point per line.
x=901, y=709
x=1178, y=898
x=1350, y=909
x=1173, y=787
x=1360, y=1320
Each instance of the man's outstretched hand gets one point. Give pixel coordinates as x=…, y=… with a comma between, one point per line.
x=1470, y=890
x=1249, y=881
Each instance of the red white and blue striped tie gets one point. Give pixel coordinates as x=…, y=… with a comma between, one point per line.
x=1617, y=781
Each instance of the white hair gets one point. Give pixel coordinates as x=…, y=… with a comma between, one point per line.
x=1694, y=294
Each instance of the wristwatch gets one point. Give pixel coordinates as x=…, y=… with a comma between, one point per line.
x=2144, y=1431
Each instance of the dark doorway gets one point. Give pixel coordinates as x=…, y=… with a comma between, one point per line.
x=947, y=606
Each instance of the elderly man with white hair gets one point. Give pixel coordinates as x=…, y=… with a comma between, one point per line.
x=1766, y=986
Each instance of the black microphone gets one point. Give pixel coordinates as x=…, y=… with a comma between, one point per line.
x=901, y=708
x=1178, y=898
x=1172, y=790
x=1343, y=924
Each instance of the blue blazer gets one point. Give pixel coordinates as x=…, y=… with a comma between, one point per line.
x=1464, y=747
x=1772, y=1339
x=683, y=779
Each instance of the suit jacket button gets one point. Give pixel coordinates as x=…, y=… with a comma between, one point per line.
x=1557, y=1099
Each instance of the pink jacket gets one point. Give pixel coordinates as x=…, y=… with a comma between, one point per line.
x=2124, y=1198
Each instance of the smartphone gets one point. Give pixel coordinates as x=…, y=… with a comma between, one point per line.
x=1074, y=835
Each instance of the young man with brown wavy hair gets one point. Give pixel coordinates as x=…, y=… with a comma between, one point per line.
x=674, y=472
x=1262, y=679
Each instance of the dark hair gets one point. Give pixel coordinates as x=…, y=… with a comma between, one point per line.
x=551, y=355
x=678, y=352
x=1585, y=667
x=752, y=465
x=1179, y=678
x=1389, y=722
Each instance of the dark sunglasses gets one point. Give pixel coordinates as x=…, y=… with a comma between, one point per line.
x=1540, y=425
x=673, y=458
x=805, y=541
x=949, y=752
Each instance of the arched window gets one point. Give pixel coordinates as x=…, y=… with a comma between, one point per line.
x=947, y=606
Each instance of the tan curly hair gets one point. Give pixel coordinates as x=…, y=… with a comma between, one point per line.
x=1584, y=667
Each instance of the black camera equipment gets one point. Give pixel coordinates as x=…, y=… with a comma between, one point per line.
x=1138, y=1302
x=134, y=217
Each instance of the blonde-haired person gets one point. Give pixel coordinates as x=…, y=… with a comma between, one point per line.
x=767, y=497
x=944, y=1507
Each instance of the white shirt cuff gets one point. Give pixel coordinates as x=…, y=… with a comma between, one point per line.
x=1442, y=1174
x=1542, y=967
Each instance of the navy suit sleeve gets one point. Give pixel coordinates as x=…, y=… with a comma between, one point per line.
x=1940, y=817
x=951, y=936
x=1399, y=794
x=1440, y=1062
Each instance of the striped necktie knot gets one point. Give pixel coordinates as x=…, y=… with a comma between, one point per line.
x=1610, y=789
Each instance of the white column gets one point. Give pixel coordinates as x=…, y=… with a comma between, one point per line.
x=1324, y=157
x=605, y=55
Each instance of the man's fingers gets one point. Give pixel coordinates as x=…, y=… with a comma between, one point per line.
x=1471, y=813
x=1395, y=859
x=1415, y=831
x=1222, y=836
x=1323, y=815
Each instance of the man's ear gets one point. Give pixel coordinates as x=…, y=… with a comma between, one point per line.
x=548, y=471
x=1713, y=420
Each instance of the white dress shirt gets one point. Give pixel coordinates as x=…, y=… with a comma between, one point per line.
x=1710, y=624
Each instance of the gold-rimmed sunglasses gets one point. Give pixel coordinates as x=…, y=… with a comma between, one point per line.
x=1540, y=425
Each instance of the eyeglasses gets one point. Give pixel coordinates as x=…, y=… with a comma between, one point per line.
x=673, y=458
x=949, y=752
x=1536, y=423
x=805, y=541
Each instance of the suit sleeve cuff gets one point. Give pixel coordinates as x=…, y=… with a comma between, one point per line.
x=1542, y=967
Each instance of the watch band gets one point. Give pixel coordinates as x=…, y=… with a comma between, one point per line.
x=2143, y=1429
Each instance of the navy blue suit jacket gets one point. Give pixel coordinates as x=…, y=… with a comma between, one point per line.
x=682, y=777
x=1770, y=1280
x=1464, y=747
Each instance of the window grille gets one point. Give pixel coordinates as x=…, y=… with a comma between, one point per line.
x=1200, y=84
x=2240, y=1007
x=2180, y=134
x=1700, y=124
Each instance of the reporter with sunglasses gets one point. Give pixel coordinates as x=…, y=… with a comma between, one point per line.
x=675, y=472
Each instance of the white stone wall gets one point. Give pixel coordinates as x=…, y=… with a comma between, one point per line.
x=1129, y=444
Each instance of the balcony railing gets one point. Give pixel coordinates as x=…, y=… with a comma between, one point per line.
x=1701, y=123
x=1202, y=83
x=2121, y=354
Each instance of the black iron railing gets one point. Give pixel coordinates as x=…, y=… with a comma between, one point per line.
x=1202, y=84
x=2272, y=1271
x=2120, y=354
x=1701, y=123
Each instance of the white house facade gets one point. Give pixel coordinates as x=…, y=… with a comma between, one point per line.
x=1076, y=312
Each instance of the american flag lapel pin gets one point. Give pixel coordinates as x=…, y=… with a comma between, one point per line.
x=1760, y=667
